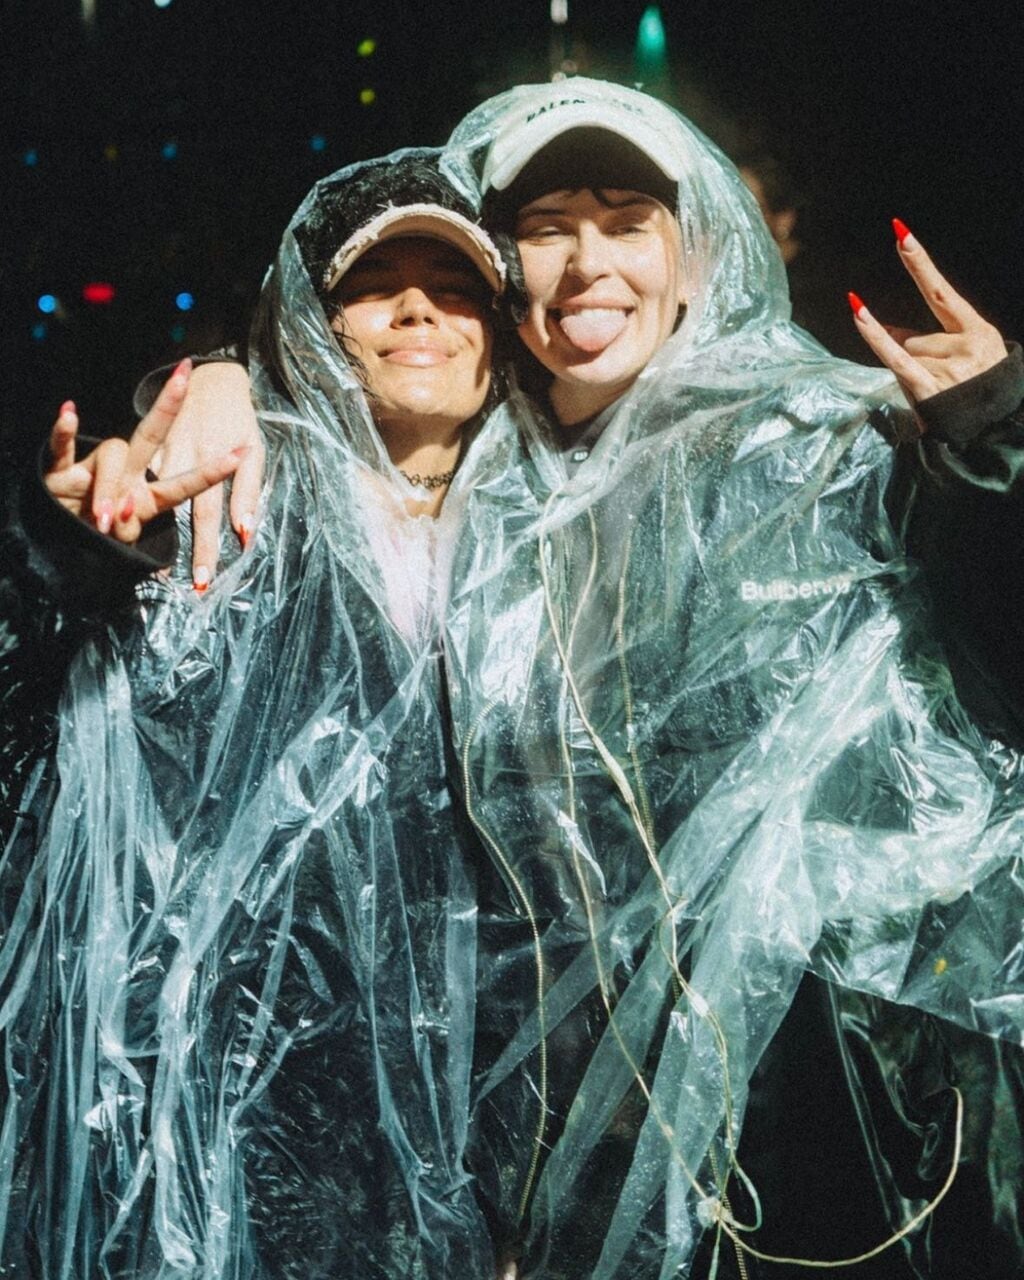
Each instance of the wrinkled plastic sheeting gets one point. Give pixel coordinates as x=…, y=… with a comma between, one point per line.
x=710, y=742
x=902, y=1065
x=238, y=985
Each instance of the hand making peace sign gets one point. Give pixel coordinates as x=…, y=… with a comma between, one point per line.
x=109, y=488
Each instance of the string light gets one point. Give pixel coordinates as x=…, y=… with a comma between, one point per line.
x=366, y=48
x=31, y=157
x=318, y=142
x=98, y=292
x=367, y=97
x=169, y=150
x=47, y=304
x=184, y=301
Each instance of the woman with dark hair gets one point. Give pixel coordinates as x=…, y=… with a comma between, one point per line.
x=239, y=984
x=707, y=732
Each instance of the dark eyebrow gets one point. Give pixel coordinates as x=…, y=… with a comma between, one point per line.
x=601, y=193
x=532, y=212
x=633, y=198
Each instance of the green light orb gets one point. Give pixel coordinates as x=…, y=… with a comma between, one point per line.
x=651, y=44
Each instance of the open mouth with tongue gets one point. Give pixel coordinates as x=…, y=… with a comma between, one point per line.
x=591, y=329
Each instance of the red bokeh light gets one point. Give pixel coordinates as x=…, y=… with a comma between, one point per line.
x=98, y=292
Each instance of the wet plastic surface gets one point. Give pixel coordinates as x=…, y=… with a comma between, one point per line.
x=238, y=960
x=710, y=743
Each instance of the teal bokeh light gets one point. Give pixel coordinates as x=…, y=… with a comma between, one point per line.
x=651, y=44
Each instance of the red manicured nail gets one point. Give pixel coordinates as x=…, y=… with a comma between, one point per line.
x=67, y=407
x=200, y=579
x=901, y=229
x=127, y=508
x=856, y=304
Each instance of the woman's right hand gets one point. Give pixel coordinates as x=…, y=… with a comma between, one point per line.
x=109, y=488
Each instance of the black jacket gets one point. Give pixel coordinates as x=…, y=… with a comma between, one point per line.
x=60, y=580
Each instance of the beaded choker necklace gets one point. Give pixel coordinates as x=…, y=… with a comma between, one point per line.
x=430, y=482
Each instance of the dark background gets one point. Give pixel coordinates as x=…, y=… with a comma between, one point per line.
x=162, y=149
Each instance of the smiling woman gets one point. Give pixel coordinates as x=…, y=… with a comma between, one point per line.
x=257, y=1062
x=414, y=312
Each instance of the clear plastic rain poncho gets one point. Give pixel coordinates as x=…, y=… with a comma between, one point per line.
x=710, y=743
x=238, y=985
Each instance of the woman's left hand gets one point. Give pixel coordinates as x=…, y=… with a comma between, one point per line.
x=927, y=363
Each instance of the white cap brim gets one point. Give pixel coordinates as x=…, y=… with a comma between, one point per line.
x=432, y=221
x=527, y=134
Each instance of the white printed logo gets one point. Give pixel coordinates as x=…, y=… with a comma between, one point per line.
x=786, y=589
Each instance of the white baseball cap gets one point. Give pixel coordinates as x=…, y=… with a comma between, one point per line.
x=542, y=119
x=432, y=221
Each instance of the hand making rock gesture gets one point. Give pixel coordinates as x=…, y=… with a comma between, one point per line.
x=927, y=363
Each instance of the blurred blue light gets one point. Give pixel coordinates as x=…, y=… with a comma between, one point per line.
x=47, y=304
x=178, y=333
x=169, y=150
x=31, y=157
x=184, y=302
x=39, y=331
x=318, y=142
x=162, y=4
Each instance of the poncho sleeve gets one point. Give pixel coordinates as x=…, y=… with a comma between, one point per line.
x=964, y=481
x=60, y=580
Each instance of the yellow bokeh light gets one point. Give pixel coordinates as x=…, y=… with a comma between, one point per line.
x=367, y=97
x=366, y=47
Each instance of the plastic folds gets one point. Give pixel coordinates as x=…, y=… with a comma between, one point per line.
x=239, y=982
x=710, y=743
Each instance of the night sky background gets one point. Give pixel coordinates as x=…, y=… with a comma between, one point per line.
x=160, y=149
